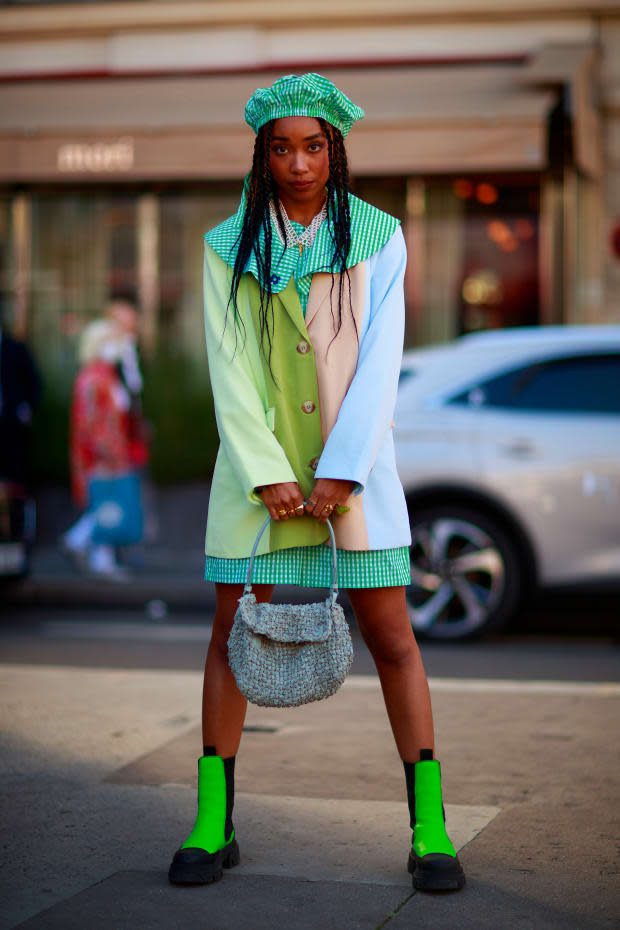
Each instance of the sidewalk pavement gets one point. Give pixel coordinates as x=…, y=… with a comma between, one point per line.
x=168, y=568
x=98, y=784
x=161, y=577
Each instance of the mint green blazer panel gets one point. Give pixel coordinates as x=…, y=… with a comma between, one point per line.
x=269, y=428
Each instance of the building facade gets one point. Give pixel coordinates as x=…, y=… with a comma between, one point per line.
x=492, y=131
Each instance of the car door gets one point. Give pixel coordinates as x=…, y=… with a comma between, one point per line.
x=548, y=444
x=434, y=441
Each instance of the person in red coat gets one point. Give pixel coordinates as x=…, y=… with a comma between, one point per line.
x=102, y=437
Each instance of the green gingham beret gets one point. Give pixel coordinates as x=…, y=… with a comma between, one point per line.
x=302, y=95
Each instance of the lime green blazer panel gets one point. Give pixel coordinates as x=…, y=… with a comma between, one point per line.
x=269, y=428
x=293, y=395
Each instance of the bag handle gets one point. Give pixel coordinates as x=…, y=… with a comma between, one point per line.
x=334, y=586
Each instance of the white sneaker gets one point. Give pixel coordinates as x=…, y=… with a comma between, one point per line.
x=102, y=563
x=77, y=555
x=118, y=574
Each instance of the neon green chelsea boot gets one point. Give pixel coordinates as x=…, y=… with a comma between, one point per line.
x=433, y=862
x=211, y=846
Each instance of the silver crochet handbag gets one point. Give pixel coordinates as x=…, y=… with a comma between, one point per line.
x=284, y=655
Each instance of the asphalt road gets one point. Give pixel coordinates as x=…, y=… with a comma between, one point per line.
x=132, y=639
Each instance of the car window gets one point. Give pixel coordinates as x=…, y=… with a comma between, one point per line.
x=405, y=374
x=579, y=384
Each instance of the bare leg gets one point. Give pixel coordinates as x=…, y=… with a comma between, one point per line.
x=382, y=617
x=223, y=705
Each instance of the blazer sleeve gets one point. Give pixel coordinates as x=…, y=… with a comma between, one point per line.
x=366, y=413
x=254, y=454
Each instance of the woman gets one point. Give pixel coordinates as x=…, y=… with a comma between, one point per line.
x=304, y=317
x=101, y=439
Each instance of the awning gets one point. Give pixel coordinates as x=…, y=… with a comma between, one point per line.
x=573, y=66
x=439, y=119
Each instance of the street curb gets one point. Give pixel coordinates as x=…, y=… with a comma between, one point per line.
x=76, y=591
x=187, y=593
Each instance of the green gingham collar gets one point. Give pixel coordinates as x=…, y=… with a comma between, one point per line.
x=371, y=228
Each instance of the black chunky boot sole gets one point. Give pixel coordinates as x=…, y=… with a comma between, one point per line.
x=195, y=866
x=435, y=872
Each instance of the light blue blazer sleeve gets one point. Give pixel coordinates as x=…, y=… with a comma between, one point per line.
x=253, y=452
x=365, y=416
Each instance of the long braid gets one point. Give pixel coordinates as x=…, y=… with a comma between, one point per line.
x=340, y=214
x=256, y=219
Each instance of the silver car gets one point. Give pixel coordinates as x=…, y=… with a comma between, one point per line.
x=508, y=447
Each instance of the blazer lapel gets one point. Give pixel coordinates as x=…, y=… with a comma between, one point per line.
x=319, y=293
x=289, y=298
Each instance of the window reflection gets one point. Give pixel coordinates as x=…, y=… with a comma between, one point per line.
x=83, y=250
x=499, y=273
x=472, y=251
x=184, y=218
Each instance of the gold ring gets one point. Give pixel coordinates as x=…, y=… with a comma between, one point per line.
x=328, y=507
x=299, y=508
x=282, y=513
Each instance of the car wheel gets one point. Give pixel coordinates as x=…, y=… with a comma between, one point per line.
x=466, y=573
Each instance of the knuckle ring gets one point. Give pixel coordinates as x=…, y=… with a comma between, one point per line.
x=282, y=512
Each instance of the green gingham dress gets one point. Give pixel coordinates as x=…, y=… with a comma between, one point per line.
x=310, y=566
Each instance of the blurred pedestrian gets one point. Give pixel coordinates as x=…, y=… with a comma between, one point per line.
x=20, y=389
x=102, y=454
x=304, y=317
x=122, y=312
x=124, y=316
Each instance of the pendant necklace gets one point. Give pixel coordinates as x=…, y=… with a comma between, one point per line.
x=307, y=237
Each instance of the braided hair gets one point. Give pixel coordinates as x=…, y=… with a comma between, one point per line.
x=261, y=190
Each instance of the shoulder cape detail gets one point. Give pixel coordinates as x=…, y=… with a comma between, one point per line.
x=371, y=229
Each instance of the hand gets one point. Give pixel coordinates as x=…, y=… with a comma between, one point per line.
x=282, y=499
x=328, y=491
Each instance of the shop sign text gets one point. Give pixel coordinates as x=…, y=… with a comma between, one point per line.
x=95, y=157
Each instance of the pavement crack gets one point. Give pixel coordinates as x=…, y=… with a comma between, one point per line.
x=395, y=912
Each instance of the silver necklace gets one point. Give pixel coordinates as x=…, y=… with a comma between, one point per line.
x=307, y=237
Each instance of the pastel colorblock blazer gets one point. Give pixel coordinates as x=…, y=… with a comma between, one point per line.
x=324, y=410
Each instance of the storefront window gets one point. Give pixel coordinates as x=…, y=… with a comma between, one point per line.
x=184, y=217
x=473, y=251
x=388, y=194
x=83, y=250
x=87, y=246
x=499, y=284
x=177, y=391
x=479, y=256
